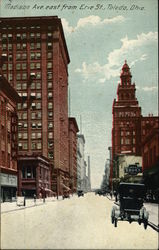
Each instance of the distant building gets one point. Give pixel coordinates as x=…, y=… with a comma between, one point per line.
x=8, y=138
x=73, y=129
x=80, y=160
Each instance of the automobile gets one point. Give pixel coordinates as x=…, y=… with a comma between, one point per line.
x=130, y=206
x=80, y=193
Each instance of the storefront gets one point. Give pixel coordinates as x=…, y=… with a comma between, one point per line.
x=8, y=187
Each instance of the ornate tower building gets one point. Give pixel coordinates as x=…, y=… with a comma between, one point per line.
x=126, y=131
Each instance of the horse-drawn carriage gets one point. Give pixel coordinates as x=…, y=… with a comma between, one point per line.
x=130, y=204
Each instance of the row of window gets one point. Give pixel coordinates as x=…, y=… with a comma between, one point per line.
x=24, y=27
x=127, y=141
x=23, y=46
x=34, y=125
x=34, y=135
x=25, y=35
x=126, y=133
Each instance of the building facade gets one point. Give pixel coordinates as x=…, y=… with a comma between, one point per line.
x=73, y=129
x=150, y=153
x=80, y=161
x=126, y=130
x=37, y=67
x=8, y=139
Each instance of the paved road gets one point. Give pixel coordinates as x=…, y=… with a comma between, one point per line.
x=76, y=223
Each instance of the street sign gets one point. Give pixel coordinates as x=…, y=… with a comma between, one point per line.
x=133, y=169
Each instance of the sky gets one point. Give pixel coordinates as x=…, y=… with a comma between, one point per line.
x=100, y=36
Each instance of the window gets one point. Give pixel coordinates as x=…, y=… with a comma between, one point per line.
x=33, y=85
x=50, y=125
x=25, y=135
x=49, y=85
x=23, y=65
x=38, y=55
x=18, y=76
x=49, y=55
x=18, y=86
x=38, y=35
x=50, y=135
x=39, y=125
x=32, y=56
x=24, y=76
x=38, y=145
x=24, y=56
x=33, y=125
x=18, y=46
x=39, y=135
x=24, y=116
x=25, y=125
x=38, y=95
x=38, y=105
x=39, y=115
x=50, y=105
x=49, y=65
x=32, y=66
x=18, y=66
x=38, y=75
x=38, y=86
x=49, y=75
x=50, y=144
x=50, y=95
x=33, y=115
x=38, y=45
x=33, y=135
x=24, y=86
x=33, y=145
x=50, y=114
x=49, y=45
x=32, y=46
x=10, y=66
x=127, y=141
x=50, y=155
x=38, y=66
x=19, y=135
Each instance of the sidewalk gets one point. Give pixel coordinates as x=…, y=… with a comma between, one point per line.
x=12, y=206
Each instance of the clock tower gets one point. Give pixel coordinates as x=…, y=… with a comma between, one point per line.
x=126, y=131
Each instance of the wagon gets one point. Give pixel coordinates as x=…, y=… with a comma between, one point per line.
x=130, y=204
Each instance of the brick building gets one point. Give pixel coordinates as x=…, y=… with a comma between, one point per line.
x=8, y=138
x=132, y=134
x=150, y=151
x=126, y=131
x=37, y=61
x=73, y=130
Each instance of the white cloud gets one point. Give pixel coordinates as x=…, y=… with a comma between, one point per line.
x=90, y=20
x=117, y=56
x=152, y=88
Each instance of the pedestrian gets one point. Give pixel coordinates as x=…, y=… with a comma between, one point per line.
x=34, y=198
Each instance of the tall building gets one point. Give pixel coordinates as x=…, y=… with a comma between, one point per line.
x=126, y=131
x=37, y=67
x=8, y=138
x=130, y=129
x=80, y=161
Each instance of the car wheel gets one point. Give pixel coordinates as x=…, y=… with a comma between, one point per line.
x=145, y=224
x=115, y=222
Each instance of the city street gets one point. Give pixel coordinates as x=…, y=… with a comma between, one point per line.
x=75, y=223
